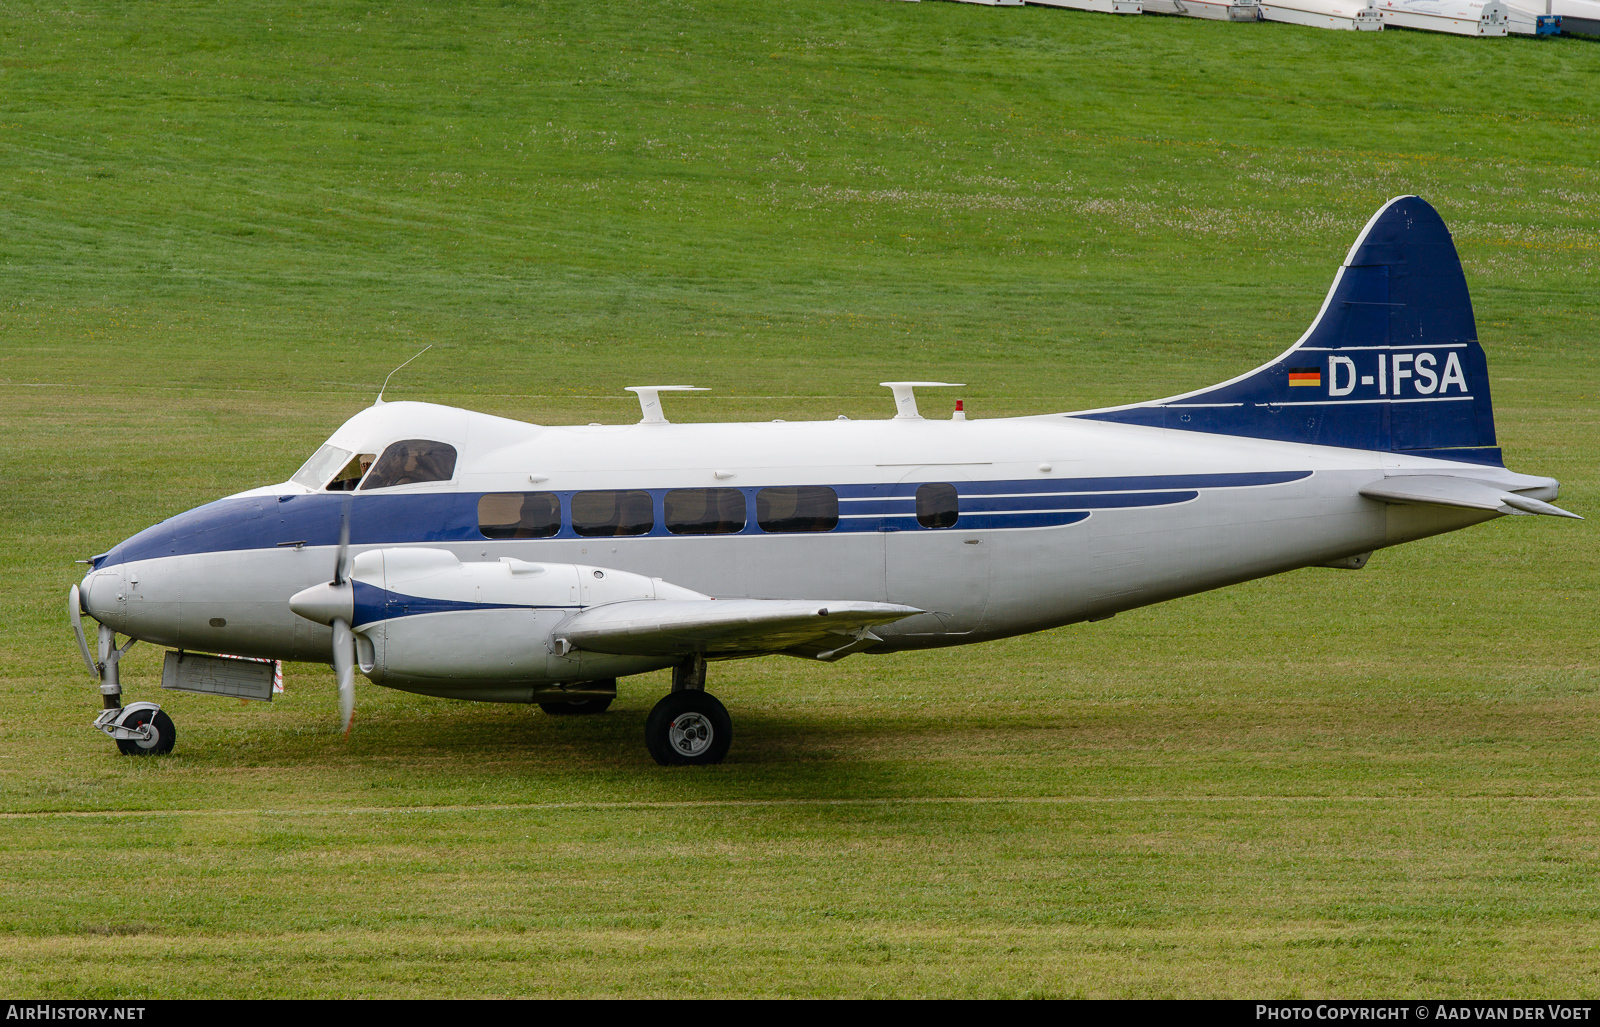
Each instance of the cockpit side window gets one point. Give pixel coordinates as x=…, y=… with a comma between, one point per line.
x=411, y=462
x=348, y=478
x=314, y=472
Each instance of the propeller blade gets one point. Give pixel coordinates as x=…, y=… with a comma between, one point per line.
x=341, y=565
x=73, y=602
x=344, y=666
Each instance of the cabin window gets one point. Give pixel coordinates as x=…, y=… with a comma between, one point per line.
x=620, y=512
x=315, y=472
x=412, y=462
x=798, y=508
x=519, y=515
x=705, y=511
x=348, y=478
x=936, y=506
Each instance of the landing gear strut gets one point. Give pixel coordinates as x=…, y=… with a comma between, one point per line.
x=139, y=729
x=689, y=727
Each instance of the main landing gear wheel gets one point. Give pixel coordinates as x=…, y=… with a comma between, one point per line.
x=688, y=728
x=162, y=734
x=576, y=706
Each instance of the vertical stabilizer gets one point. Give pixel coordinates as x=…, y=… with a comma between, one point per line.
x=1392, y=361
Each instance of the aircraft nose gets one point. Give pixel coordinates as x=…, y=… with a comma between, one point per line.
x=103, y=594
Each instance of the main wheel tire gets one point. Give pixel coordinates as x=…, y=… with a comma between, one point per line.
x=576, y=706
x=159, y=744
x=688, y=728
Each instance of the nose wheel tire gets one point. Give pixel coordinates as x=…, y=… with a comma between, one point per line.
x=688, y=728
x=577, y=706
x=162, y=734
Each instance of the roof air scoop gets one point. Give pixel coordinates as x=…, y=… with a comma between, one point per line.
x=650, y=400
x=905, y=399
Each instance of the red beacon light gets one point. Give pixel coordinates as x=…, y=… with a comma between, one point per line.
x=961, y=413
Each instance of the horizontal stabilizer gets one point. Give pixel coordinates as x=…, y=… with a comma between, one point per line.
x=1449, y=490
x=725, y=627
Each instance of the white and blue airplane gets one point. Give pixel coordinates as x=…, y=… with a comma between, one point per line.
x=466, y=556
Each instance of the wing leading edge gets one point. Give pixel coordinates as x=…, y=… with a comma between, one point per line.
x=726, y=628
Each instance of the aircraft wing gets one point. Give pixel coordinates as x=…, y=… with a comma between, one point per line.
x=821, y=629
x=1449, y=490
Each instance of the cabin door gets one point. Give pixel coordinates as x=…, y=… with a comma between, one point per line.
x=943, y=570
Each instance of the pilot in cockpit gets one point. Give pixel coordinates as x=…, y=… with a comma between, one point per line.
x=348, y=478
x=407, y=462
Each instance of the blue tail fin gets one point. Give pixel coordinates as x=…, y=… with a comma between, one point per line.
x=1392, y=361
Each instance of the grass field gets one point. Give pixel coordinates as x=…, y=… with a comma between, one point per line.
x=221, y=225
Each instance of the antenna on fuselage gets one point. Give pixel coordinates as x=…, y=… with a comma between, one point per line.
x=385, y=385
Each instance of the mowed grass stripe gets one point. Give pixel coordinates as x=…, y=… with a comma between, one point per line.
x=852, y=958
x=972, y=800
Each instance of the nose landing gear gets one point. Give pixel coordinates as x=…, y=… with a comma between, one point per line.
x=689, y=727
x=139, y=729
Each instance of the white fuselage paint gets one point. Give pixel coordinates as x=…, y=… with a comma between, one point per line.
x=974, y=584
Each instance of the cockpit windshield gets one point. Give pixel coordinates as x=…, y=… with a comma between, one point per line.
x=411, y=462
x=321, y=466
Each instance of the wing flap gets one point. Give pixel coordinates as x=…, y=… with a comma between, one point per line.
x=1468, y=493
x=726, y=627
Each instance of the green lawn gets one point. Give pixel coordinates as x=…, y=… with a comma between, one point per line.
x=222, y=225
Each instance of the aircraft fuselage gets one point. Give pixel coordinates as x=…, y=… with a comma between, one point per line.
x=1059, y=520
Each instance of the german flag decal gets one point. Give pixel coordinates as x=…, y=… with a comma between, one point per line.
x=1305, y=376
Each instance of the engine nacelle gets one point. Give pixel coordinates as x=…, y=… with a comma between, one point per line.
x=427, y=622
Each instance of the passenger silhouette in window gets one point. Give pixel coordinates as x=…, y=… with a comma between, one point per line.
x=704, y=511
x=797, y=508
x=621, y=512
x=519, y=515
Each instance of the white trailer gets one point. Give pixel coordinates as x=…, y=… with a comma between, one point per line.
x=1459, y=17
x=1531, y=18
x=1577, y=15
x=1216, y=10
x=1102, y=6
x=1352, y=15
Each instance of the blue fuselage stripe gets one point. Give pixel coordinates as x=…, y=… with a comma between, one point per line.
x=374, y=604
x=263, y=522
